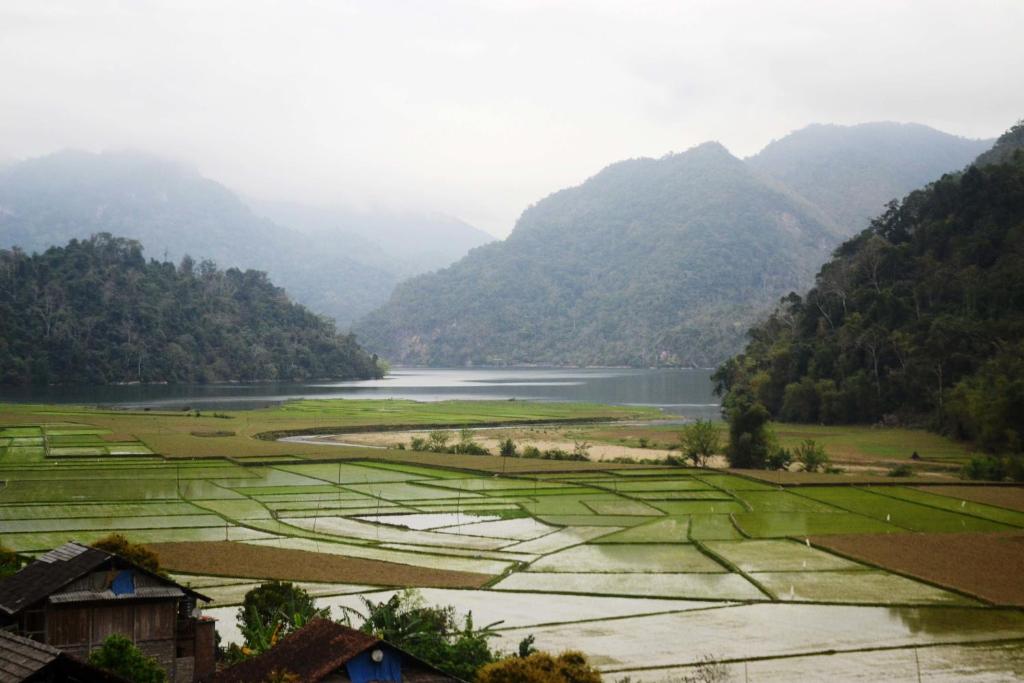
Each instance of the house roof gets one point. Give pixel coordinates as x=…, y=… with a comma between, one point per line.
x=313, y=653
x=55, y=570
x=22, y=658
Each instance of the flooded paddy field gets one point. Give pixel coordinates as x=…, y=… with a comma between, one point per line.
x=649, y=570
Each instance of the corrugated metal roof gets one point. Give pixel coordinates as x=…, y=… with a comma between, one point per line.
x=58, y=568
x=63, y=553
x=141, y=592
x=42, y=577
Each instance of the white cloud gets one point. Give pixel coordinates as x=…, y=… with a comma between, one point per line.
x=478, y=109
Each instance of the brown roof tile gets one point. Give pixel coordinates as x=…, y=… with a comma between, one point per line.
x=312, y=653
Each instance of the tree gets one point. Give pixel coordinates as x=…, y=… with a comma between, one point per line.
x=439, y=439
x=507, y=448
x=431, y=633
x=811, y=455
x=273, y=610
x=134, y=553
x=120, y=656
x=749, y=439
x=541, y=667
x=700, y=440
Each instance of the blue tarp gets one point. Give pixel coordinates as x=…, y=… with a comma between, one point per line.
x=124, y=583
x=362, y=668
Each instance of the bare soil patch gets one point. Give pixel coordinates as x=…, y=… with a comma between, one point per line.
x=988, y=566
x=1011, y=497
x=225, y=558
x=542, y=438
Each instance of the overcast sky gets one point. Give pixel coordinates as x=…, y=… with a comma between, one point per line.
x=478, y=109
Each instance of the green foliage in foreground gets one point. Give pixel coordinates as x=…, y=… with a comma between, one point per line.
x=541, y=667
x=919, y=318
x=120, y=656
x=271, y=611
x=430, y=633
x=97, y=312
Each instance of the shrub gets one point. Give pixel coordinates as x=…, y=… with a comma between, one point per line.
x=903, y=470
x=10, y=563
x=120, y=656
x=540, y=667
x=507, y=448
x=531, y=452
x=779, y=459
x=136, y=554
x=418, y=443
x=812, y=456
x=994, y=468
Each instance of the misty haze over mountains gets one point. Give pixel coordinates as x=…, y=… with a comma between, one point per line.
x=340, y=263
x=650, y=262
x=661, y=261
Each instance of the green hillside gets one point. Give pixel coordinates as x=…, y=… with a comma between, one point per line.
x=660, y=261
x=97, y=312
x=651, y=261
x=918, y=318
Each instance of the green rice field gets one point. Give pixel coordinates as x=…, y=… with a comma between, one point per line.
x=618, y=561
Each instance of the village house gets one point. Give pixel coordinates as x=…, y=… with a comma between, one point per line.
x=325, y=651
x=74, y=597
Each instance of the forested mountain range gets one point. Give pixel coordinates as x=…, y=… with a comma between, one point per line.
x=852, y=172
x=97, y=312
x=342, y=266
x=919, y=318
x=660, y=261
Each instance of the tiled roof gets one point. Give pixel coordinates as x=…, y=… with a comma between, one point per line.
x=55, y=570
x=21, y=657
x=312, y=653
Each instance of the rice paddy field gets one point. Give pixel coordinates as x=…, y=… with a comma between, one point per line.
x=649, y=570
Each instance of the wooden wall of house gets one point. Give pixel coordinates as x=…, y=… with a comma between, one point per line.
x=80, y=628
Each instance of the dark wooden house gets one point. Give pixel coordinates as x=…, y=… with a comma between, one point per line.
x=324, y=651
x=74, y=597
x=23, y=660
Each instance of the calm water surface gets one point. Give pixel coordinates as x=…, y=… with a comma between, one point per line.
x=679, y=392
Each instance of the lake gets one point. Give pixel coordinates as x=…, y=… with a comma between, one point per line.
x=679, y=392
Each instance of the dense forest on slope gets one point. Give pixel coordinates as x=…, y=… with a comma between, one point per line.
x=649, y=262
x=852, y=172
x=659, y=262
x=918, y=318
x=96, y=311
x=340, y=267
